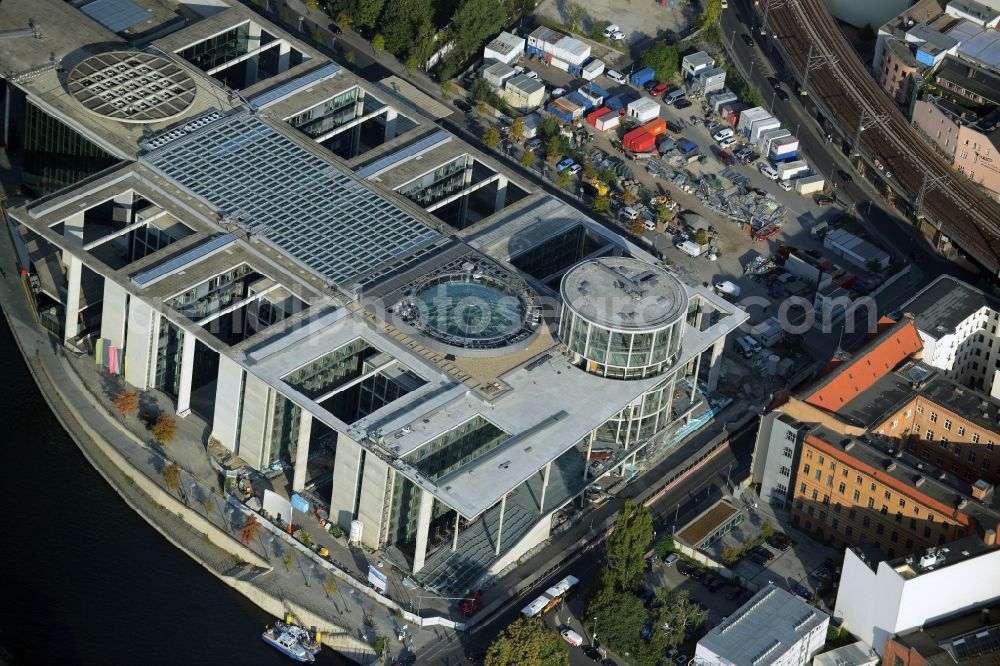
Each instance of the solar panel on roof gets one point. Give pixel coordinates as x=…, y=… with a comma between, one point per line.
x=116, y=15
x=148, y=277
x=288, y=88
x=424, y=144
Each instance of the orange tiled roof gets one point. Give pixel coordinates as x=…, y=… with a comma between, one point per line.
x=878, y=359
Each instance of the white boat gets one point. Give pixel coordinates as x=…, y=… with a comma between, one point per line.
x=284, y=640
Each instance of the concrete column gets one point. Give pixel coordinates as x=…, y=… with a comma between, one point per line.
x=114, y=308
x=123, y=208
x=73, y=228
x=187, y=373
x=715, y=369
x=501, y=199
x=423, y=529
x=463, y=208
x=454, y=539
x=503, y=507
x=284, y=51
x=228, y=394
x=586, y=463
x=694, y=377
x=390, y=123
x=252, y=63
x=302, y=450
x=545, y=486
x=74, y=269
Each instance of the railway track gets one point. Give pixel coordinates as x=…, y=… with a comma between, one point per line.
x=845, y=88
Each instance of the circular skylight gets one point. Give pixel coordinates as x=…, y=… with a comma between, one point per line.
x=132, y=87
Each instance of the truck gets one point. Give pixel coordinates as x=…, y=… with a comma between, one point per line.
x=728, y=289
x=642, y=77
x=689, y=248
x=809, y=185
x=598, y=186
x=788, y=170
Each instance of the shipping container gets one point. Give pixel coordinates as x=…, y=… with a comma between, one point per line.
x=608, y=121
x=565, y=116
x=639, y=143
x=717, y=100
x=758, y=127
x=769, y=137
x=642, y=77
x=791, y=169
x=595, y=114
x=570, y=50
x=558, y=63
x=783, y=146
x=809, y=185
x=732, y=112
x=749, y=116
x=656, y=127
x=593, y=69
x=784, y=157
x=581, y=100
x=644, y=109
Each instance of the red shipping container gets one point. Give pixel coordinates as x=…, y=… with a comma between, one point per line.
x=595, y=114
x=656, y=127
x=632, y=135
x=641, y=143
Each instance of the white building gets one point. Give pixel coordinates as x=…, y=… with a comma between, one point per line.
x=958, y=324
x=774, y=628
x=505, y=48
x=876, y=601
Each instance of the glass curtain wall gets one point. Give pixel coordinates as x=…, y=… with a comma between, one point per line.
x=218, y=50
x=56, y=156
x=327, y=116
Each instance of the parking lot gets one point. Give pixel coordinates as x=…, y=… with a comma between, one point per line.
x=638, y=20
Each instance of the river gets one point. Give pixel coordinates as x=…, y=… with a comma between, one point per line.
x=85, y=580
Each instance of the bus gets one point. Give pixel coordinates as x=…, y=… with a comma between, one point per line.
x=551, y=598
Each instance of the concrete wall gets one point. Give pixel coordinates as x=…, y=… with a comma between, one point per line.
x=346, y=472
x=255, y=425
x=374, y=479
x=865, y=602
x=936, y=126
x=228, y=391
x=777, y=446
x=114, y=311
x=142, y=321
x=536, y=535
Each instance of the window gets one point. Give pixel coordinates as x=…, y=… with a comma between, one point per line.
x=811, y=510
x=835, y=523
x=841, y=488
x=802, y=487
x=843, y=473
x=902, y=503
x=933, y=417
x=819, y=474
x=975, y=438
x=815, y=494
x=986, y=463
x=909, y=544
x=851, y=513
x=930, y=517
x=913, y=523
x=972, y=457
x=888, y=495
x=894, y=536
x=857, y=495
x=916, y=428
x=927, y=532
x=880, y=529
x=822, y=460
x=874, y=487
x=829, y=481
x=989, y=445
x=790, y=435
x=961, y=431
x=787, y=452
x=809, y=455
x=920, y=409
x=944, y=442
x=871, y=503
x=947, y=424
x=859, y=480
x=929, y=435
x=780, y=489
x=884, y=510
x=849, y=530
x=826, y=500
x=866, y=521
x=805, y=469
x=899, y=516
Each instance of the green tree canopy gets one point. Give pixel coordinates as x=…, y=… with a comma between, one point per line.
x=402, y=24
x=564, y=178
x=476, y=21
x=752, y=96
x=675, y=616
x=527, y=159
x=708, y=17
x=526, y=642
x=601, y=205
x=627, y=544
x=662, y=57
x=548, y=127
x=619, y=618
x=491, y=138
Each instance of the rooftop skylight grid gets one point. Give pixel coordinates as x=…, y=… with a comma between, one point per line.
x=299, y=202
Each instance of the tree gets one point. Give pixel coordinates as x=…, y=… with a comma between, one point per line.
x=752, y=96
x=527, y=159
x=491, y=138
x=287, y=560
x=411, y=63
x=601, y=205
x=677, y=616
x=517, y=129
x=164, y=429
x=317, y=36
x=476, y=21
x=284, y=16
x=628, y=197
x=662, y=57
x=349, y=58
x=172, y=477
x=126, y=402
x=701, y=237
x=708, y=17
x=527, y=642
x=311, y=5
x=330, y=585
x=250, y=529
x=619, y=618
x=627, y=544
x=378, y=44
x=577, y=15
x=564, y=178
x=345, y=19
x=480, y=89
x=637, y=227
x=366, y=12
x=731, y=555
x=548, y=128
x=305, y=538
x=405, y=24
x=766, y=529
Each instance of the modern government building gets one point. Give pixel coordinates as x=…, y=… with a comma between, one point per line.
x=355, y=302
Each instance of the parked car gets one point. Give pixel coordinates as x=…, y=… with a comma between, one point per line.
x=575, y=169
x=733, y=593
x=615, y=76
x=684, y=569
x=571, y=637
x=674, y=126
x=462, y=105
x=558, y=92
x=728, y=143
x=723, y=133
x=823, y=200
x=658, y=89
x=785, y=185
x=533, y=145
x=764, y=552
x=531, y=74
x=708, y=579
x=758, y=558
x=670, y=559
x=773, y=82
x=682, y=103
x=712, y=125
x=815, y=254
x=630, y=213
x=782, y=95
x=725, y=157
x=617, y=36
x=767, y=171
x=564, y=163
x=752, y=157
x=335, y=29
x=611, y=29
x=591, y=652
x=747, y=39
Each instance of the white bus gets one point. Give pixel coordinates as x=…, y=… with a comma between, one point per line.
x=551, y=598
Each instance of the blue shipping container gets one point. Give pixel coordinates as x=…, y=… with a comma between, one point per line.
x=564, y=116
x=581, y=100
x=594, y=90
x=785, y=158
x=643, y=76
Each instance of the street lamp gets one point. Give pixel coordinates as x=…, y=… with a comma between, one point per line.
x=732, y=41
x=797, y=125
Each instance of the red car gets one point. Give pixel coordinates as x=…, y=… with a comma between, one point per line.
x=823, y=200
x=658, y=89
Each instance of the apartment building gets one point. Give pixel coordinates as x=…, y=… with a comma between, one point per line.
x=969, y=637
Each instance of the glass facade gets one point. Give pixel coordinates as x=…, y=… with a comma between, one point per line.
x=214, y=294
x=557, y=253
x=405, y=507
x=640, y=420
x=220, y=49
x=621, y=354
x=168, y=358
x=56, y=156
x=455, y=448
x=440, y=183
x=327, y=116
x=331, y=370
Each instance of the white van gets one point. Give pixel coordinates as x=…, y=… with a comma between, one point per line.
x=630, y=213
x=615, y=76
x=673, y=96
x=571, y=637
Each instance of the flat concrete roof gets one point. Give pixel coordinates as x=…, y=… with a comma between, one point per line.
x=945, y=303
x=625, y=294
